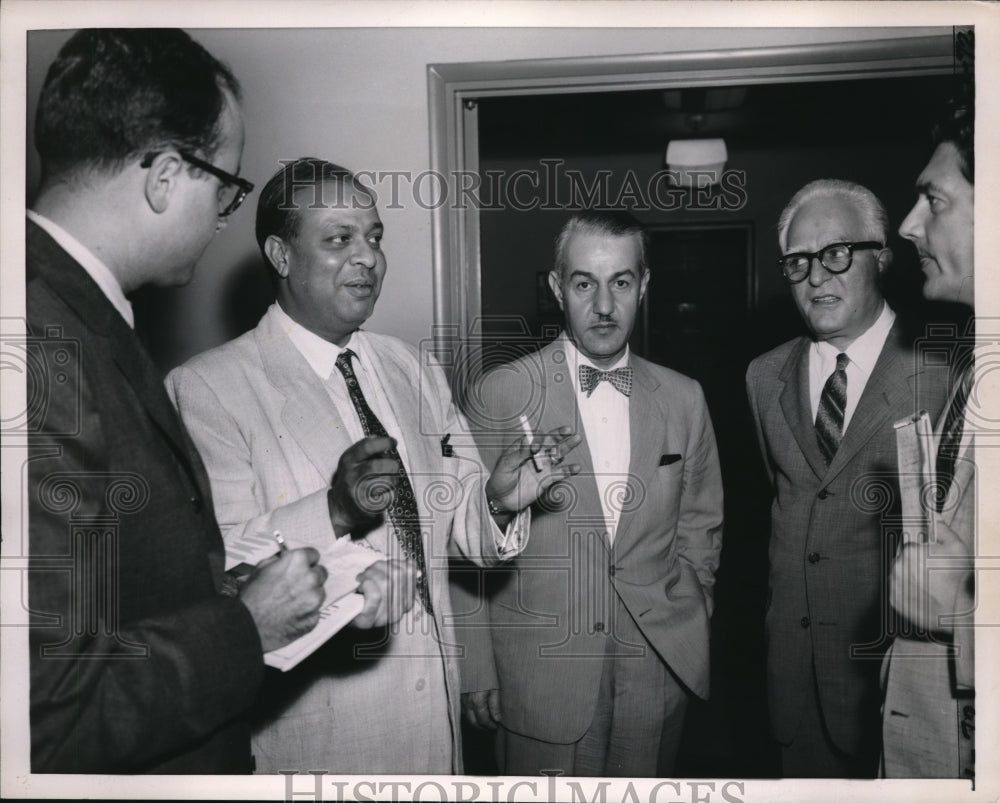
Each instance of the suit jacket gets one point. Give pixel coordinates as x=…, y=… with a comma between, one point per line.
x=551, y=613
x=271, y=437
x=928, y=714
x=830, y=536
x=137, y=663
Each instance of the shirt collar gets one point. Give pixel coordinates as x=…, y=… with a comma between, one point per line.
x=575, y=358
x=97, y=270
x=865, y=350
x=319, y=353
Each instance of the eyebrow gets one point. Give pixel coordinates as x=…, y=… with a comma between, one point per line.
x=585, y=275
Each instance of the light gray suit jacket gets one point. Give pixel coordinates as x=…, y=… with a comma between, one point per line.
x=552, y=614
x=830, y=536
x=928, y=715
x=270, y=437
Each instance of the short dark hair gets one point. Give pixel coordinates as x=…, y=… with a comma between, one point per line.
x=609, y=223
x=112, y=95
x=958, y=127
x=276, y=209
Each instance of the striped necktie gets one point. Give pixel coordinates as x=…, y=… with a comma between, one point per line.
x=951, y=438
x=402, y=509
x=830, y=415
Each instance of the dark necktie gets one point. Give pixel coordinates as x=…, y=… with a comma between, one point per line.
x=620, y=378
x=403, y=508
x=830, y=415
x=951, y=438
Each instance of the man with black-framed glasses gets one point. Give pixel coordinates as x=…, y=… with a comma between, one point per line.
x=143, y=658
x=824, y=408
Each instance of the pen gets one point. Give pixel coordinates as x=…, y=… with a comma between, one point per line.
x=282, y=546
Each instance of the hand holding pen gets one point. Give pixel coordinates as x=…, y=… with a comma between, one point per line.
x=284, y=594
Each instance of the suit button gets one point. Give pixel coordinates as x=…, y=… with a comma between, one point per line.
x=612, y=570
x=823, y=494
x=598, y=627
x=196, y=504
x=813, y=557
x=804, y=621
x=420, y=684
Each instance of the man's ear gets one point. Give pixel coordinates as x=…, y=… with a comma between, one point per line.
x=277, y=254
x=162, y=179
x=555, y=283
x=884, y=260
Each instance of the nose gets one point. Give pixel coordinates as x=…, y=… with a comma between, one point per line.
x=818, y=274
x=912, y=225
x=364, y=254
x=604, y=302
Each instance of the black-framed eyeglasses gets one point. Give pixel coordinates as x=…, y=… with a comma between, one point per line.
x=233, y=190
x=836, y=258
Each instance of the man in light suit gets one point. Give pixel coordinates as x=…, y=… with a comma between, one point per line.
x=279, y=411
x=929, y=709
x=824, y=408
x=139, y=664
x=600, y=629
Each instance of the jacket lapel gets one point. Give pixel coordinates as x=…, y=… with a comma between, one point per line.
x=647, y=429
x=796, y=407
x=308, y=413
x=887, y=389
x=560, y=409
x=78, y=291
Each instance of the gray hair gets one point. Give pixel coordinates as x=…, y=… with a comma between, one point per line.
x=876, y=220
x=611, y=224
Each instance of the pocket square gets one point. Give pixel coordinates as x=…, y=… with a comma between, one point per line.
x=669, y=459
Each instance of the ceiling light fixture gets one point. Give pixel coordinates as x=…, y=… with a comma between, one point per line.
x=696, y=162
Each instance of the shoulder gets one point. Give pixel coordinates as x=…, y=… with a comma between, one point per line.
x=222, y=367
x=387, y=347
x=771, y=362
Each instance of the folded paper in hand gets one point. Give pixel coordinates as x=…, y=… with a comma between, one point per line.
x=915, y=451
x=344, y=561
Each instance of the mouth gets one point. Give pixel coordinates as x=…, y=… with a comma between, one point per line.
x=604, y=326
x=360, y=288
x=824, y=301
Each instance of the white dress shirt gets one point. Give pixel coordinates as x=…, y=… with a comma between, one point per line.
x=605, y=418
x=96, y=269
x=862, y=355
x=322, y=357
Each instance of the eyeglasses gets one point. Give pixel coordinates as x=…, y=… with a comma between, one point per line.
x=836, y=258
x=233, y=190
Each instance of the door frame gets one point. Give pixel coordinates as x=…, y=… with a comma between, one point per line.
x=453, y=91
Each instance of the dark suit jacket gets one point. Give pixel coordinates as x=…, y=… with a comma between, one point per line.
x=830, y=543
x=137, y=663
x=552, y=614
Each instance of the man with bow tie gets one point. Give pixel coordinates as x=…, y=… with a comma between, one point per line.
x=600, y=628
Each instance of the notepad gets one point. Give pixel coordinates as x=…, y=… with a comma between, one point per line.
x=344, y=560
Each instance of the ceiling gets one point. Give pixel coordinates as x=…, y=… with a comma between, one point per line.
x=878, y=111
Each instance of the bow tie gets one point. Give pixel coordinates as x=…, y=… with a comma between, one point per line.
x=621, y=378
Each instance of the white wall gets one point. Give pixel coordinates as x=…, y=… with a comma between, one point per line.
x=359, y=97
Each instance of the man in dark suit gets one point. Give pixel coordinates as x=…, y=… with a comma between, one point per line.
x=824, y=408
x=600, y=630
x=138, y=662
x=929, y=710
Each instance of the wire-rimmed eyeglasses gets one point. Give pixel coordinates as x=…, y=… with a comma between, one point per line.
x=233, y=190
x=836, y=258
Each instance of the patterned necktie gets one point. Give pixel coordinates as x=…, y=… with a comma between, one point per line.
x=830, y=415
x=951, y=438
x=621, y=378
x=402, y=509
